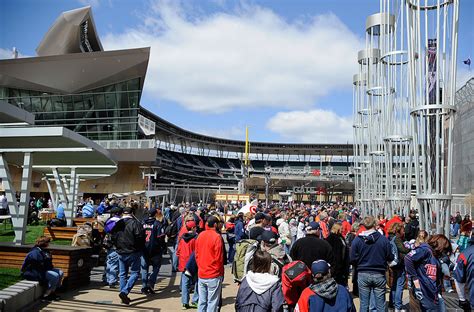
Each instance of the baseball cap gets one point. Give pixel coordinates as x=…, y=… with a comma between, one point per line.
x=268, y=237
x=190, y=224
x=320, y=266
x=152, y=212
x=313, y=226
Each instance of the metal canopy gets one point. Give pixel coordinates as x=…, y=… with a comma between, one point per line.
x=56, y=147
x=12, y=114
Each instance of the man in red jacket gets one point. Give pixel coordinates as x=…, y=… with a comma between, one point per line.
x=210, y=261
x=186, y=246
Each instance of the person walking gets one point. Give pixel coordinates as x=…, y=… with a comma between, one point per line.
x=128, y=236
x=311, y=248
x=155, y=246
x=111, y=268
x=186, y=247
x=38, y=266
x=210, y=261
x=341, y=254
x=425, y=274
x=370, y=252
x=396, y=234
x=260, y=291
x=464, y=274
x=284, y=232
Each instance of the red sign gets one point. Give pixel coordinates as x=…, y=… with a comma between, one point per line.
x=253, y=209
x=316, y=172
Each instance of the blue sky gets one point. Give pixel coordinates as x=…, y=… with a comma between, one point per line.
x=283, y=68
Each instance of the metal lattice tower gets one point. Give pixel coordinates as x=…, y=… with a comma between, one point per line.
x=398, y=139
x=432, y=44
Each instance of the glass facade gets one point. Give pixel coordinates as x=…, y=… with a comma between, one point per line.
x=106, y=113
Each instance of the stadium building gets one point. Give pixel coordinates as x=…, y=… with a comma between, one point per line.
x=74, y=83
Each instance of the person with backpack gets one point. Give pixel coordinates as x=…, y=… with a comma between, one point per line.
x=311, y=247
x=295, y=278
x=424, y=272
x=260, y=290
x=396, y=235
x=155, y=245
x=186, y=248
x=324, y=294
x=210, y=253
x=128, y=236
x=370, y=253
x=111, y=267
x=269, y=243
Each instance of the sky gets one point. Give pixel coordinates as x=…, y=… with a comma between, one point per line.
x=281, y=67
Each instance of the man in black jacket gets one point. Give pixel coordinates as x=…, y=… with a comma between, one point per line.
x=128, y=236
x=311, y=248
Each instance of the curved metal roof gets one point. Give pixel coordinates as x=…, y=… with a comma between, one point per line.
x=169, y=132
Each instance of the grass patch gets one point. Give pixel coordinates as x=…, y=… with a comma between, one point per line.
x=9, y=277
x=32, y=233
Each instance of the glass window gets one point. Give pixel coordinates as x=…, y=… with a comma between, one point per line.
x=99, y=101
x=133, y=84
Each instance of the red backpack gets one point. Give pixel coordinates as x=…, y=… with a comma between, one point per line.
x=295, y=278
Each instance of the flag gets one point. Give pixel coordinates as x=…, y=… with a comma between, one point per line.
x=467, y=62
x=251, y=207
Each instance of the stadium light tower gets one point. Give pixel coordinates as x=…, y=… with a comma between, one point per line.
x=432, y=44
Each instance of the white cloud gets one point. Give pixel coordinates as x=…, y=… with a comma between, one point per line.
x=313, y=126
x=93, y=3
x=247, y=58
x=233, y=132
x=8, y=54
x=463, y=75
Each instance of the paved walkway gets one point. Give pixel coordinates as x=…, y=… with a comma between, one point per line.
x=167, y=298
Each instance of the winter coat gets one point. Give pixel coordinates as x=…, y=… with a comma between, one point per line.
x=370, y=252
x=312, y=248
x=340, y=270
x=259, y=292
x=37, y=262
x=464, y=270
x=155, y=243
x=210, y=253
x=422, y=265
x=128, y=236
x=325, y=296
x=186, y=247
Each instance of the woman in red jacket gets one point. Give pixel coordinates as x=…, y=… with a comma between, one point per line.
x=186, y=246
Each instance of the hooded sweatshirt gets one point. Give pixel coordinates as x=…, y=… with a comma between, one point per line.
x=324, y=297
x=371, y=252
x=259, y=292
x=186, y=247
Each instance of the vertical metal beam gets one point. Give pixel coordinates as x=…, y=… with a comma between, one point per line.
x=19, y=211
x=73, y=185
x=51, y=194
x=60, y=189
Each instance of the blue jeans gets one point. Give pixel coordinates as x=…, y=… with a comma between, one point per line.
x=396, y=291
x=231, y=253
x=174, y=258
x=129, y=262
x=209, y=290
x=369, y=282
x=111, y=267
x=155, y=262
x=186, y=283
x=54, y=278
x=427, y=305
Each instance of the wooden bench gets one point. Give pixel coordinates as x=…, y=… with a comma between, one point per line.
x=75, y=262
x=81, y=221
x=59, y=232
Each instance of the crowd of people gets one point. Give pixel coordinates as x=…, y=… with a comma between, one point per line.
x=290, y=257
